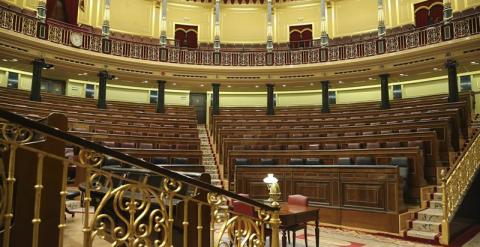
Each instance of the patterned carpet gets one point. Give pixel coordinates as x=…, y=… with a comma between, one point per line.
x=331, y=237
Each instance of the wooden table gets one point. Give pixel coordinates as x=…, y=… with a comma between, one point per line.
x=292, y=215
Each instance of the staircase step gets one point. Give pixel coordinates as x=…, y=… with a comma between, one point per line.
x=431, y=214
x=422, y=234
x=435, y=204
x=437, y=196
x=426, y=226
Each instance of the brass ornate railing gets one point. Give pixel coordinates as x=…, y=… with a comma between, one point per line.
x=150, y=50
x=152, y=206
x=456, y=183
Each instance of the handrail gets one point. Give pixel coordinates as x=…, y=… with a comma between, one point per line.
x=456, y=182
x=17, y=119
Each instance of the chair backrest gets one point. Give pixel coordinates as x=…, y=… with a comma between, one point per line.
x=145, y=145
x=108, y=143
x=364, y=160
x=275, y=147
x=314, y=147
x=392, y=144
x=344, y=161
x=181, y=146
x=330, y=146
x=179, y=160
x=373, y=145
x=242, y=161
x=160, y=160
x=267, y=161
x=164, y=146
x=127, y=145
x=295, y=161
x=312, y=161
x=403, y=165
x=299, y=200
x=353, y=146
x=293, y=147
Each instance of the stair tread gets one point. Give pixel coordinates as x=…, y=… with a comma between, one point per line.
x=432, y=211
x=427, y=222
x=422, y=234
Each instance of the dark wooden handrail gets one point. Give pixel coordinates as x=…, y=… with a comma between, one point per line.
x=49, y=131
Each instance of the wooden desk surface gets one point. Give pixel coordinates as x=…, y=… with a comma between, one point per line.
x=288, y=209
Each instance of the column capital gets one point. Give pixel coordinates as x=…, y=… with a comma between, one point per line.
x=161, y=81
x=451, y=63
x=216, y=85
x=382, y=76
x=325, y=81
x=270, y=85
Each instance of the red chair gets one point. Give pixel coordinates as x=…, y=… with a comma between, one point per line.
x=299, y=200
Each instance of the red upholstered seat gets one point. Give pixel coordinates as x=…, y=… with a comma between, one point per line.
x=297, y=135
x=299, y=200
x=353, y=146
x=101, y=131
x=118, y=132
x=350, y=134
x=165, y=146
x=108, y=143
x=275, y=147
x=330, y=146
x=168, y=134
x=332, y=135
x=145, y=145
x=373, y=145
x=127, y=145
x=181, y=146
x=243, y=208
x=314, y=147
x=392, y=144
x=238, y=147
x=282, y=135
x=293, y=147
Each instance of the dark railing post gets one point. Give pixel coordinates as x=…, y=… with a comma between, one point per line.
x=161, y=96
x=38, y=65
x=325, y=104
x=216, y=98
x=384, y=91
x=270, y=106
x=102, y=89
x=451, y=66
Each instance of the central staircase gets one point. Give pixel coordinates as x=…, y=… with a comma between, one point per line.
x=208, y=156
x=427, y=222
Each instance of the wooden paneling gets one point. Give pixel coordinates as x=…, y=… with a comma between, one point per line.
x=347, y=195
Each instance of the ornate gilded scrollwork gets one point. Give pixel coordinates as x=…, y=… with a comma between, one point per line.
x=90, y=158
x=457, y=183
x=12, y=133
x=216, y=201
x=3, y=193
x=241, y=231
x=139, y=217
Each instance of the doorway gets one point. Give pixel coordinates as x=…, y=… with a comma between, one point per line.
x=199, y=101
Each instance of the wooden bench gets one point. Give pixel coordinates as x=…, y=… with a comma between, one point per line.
x=381, y=156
